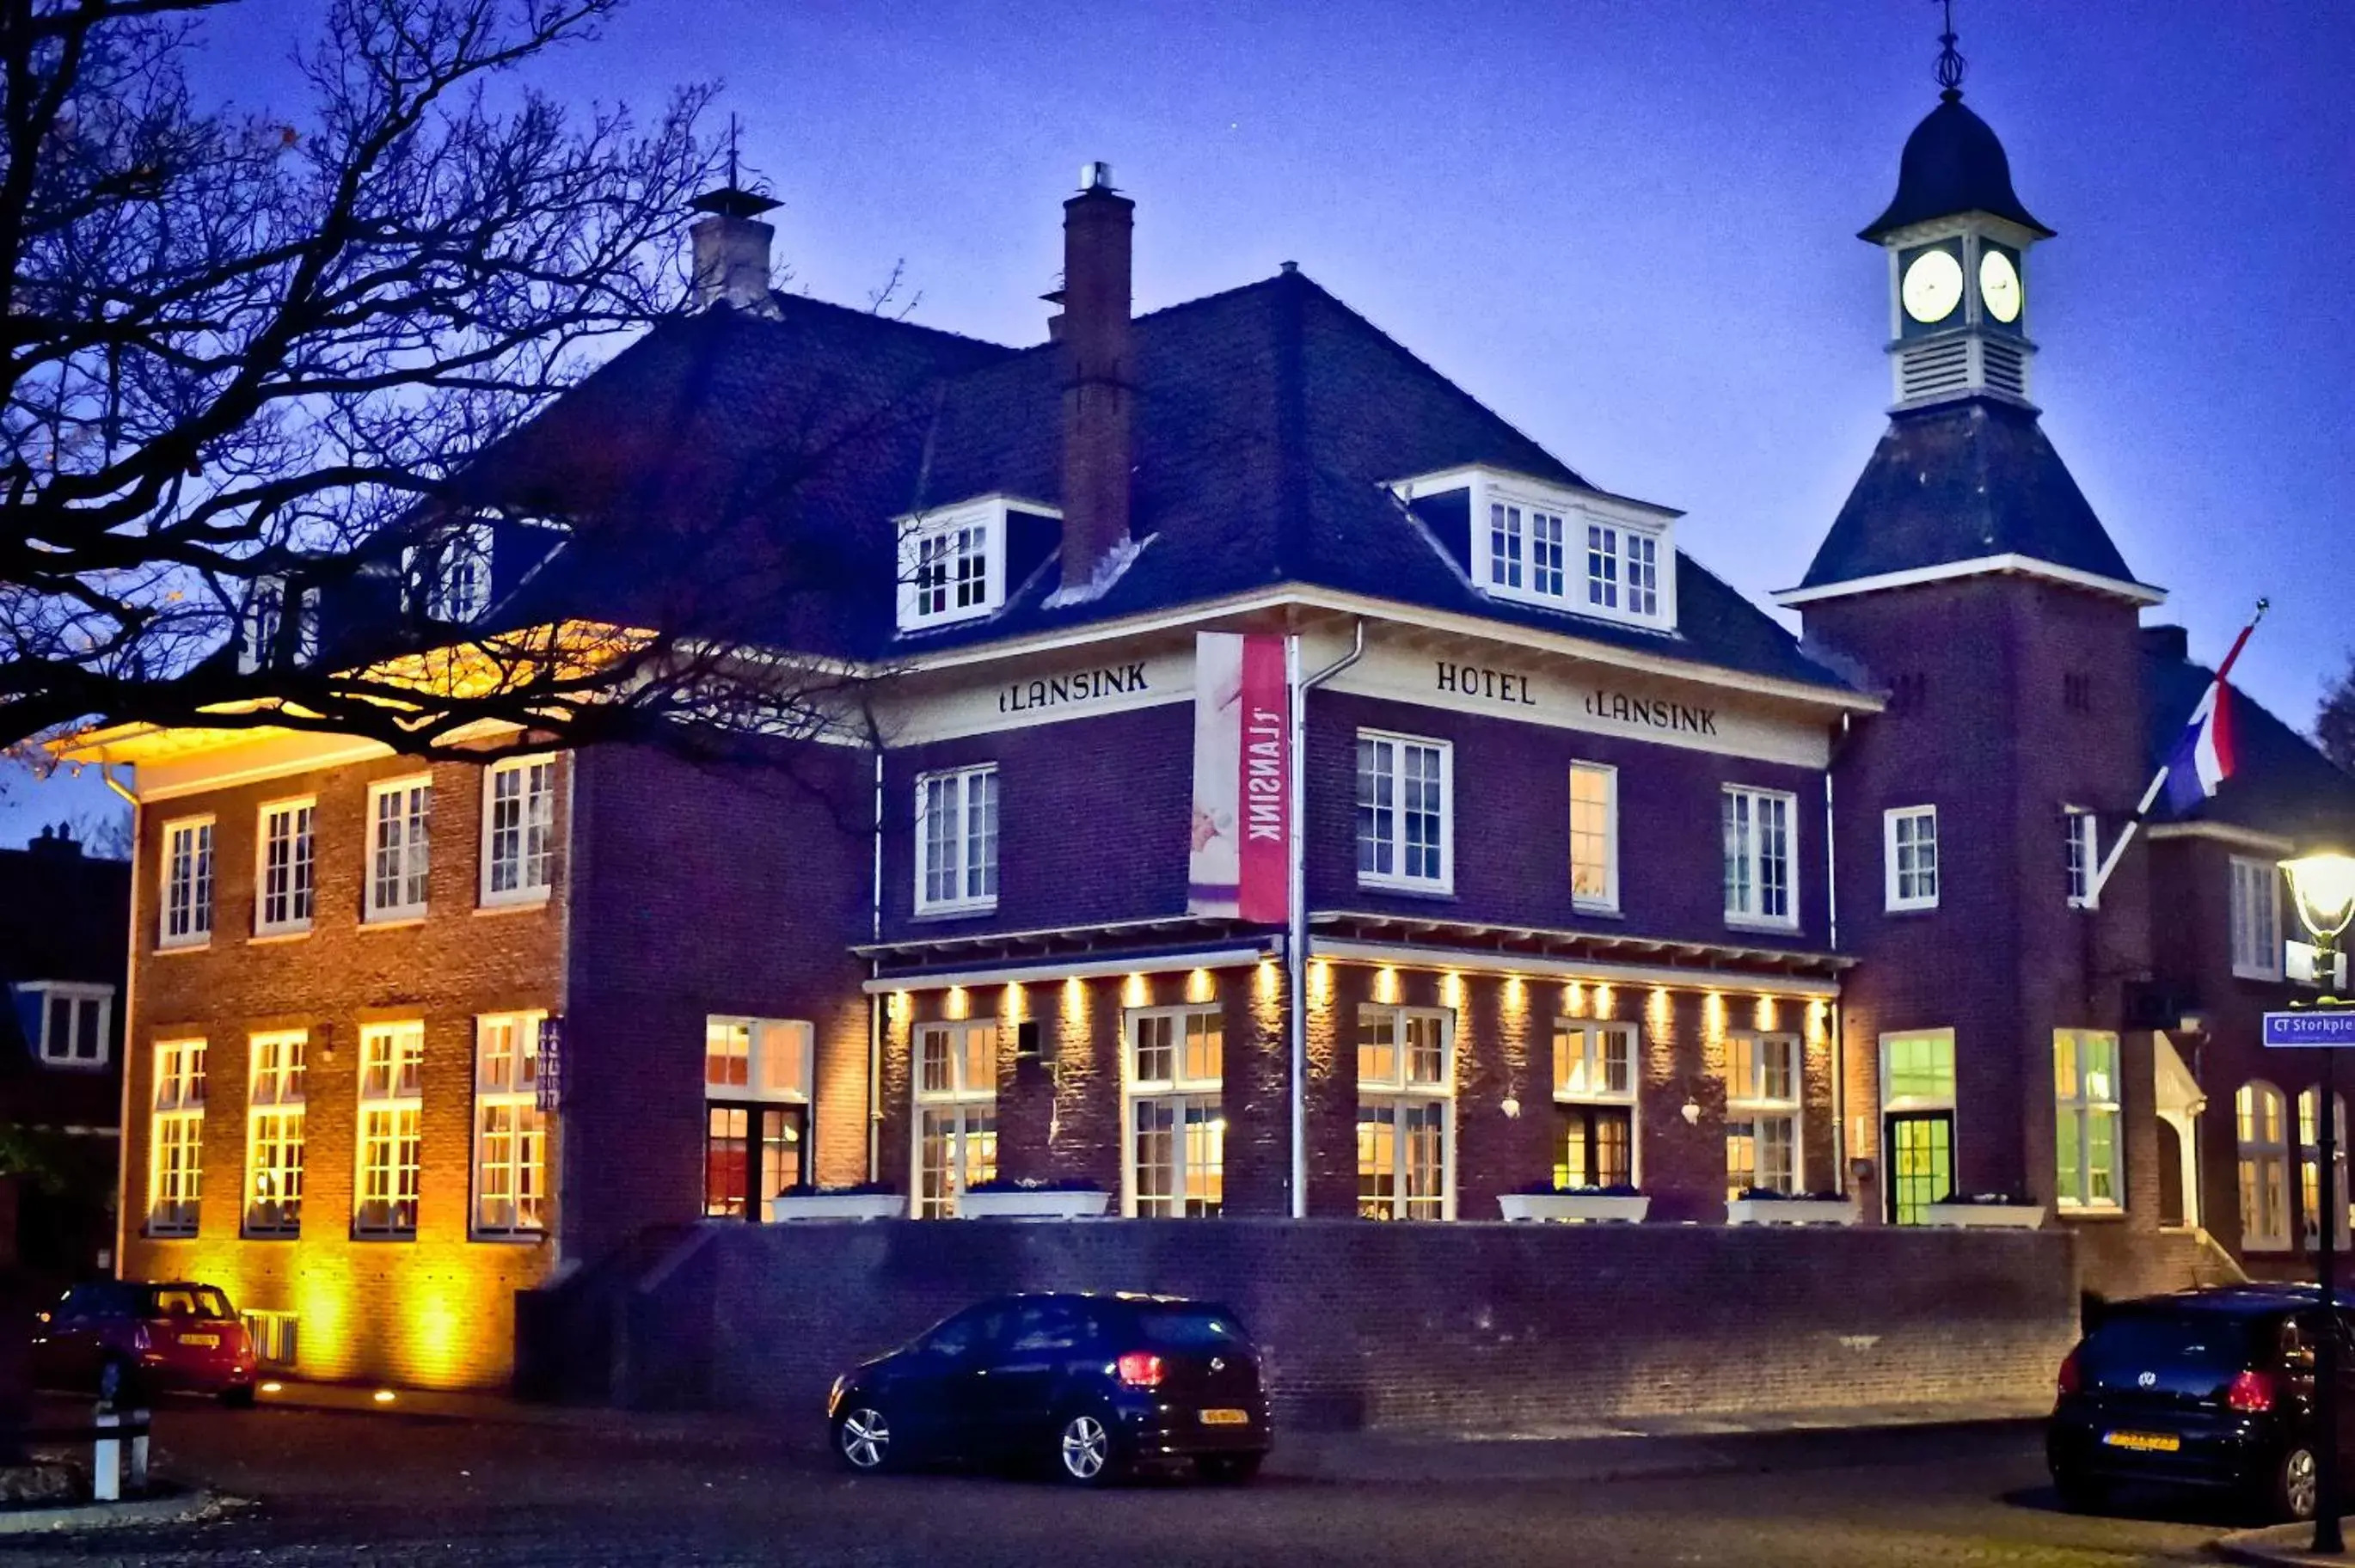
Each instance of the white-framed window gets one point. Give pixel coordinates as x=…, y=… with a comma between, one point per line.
x=957, y=1113
x=1406, y=1113
x=265, y=620
x=2256, y=920
x=1909, y=856
x=510, y=1129
x=518, y=830
x=276, y=1336
x=282, y=874
x=1594, y=1103
x=2309, y=1167
x=2260, y=1116
x=756, y=1091
x=1603, y=566
x=1594, y=835
x=392, y=1106
x=451, y=580
x=1643, y=560
x=176, y=1150
x=1177, y=1121
x=2085, y=1105
x=400, y=842
x=1406, y=794
x=1571, y=550
x=1526, y=551
x=273, y=1135
x=69, y=1023
x=186, y=916
x=952, y=564
x=956, y=840
x=1762, y=1112
x=2082, y=838
x=1760, y=857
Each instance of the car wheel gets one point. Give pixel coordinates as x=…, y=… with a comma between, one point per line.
x=1083, y=1451
x=2295, y=1483
x=2079, y=1493
x=1228, y=1469
x=239, y=1397
x=862, y=1439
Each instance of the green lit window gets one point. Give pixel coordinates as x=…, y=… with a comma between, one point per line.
x=2086, y=1096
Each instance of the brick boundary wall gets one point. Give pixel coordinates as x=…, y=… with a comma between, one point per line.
x=1471, y=1326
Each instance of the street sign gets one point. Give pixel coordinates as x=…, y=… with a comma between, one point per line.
x=551, y=1062
x=2315, y=1028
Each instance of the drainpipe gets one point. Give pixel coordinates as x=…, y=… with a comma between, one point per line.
x=875, y=1003
x=1295, y=942
x=129, y=981
x=1839, y=1045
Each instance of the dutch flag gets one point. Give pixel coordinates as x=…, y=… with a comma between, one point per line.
x=2202, y=758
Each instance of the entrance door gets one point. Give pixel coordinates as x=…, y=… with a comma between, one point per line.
x=1921, y=1163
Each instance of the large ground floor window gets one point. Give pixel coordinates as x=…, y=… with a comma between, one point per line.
x=1406, y=1113
x=752, y=1152
x=1177, y=1121
x=956, y=1114
x=1762, y=1114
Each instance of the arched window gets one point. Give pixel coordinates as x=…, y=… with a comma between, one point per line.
x=2310, y=1167
x=2264, y=1167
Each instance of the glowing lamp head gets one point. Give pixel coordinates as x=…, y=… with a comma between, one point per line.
x=2323, y=887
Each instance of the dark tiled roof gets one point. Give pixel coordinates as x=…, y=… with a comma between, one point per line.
x=63, y=916
x=1952, y=163
x=1958, y=482
x=2280, y=784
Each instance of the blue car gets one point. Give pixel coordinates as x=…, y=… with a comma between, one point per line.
x=1088, y=1388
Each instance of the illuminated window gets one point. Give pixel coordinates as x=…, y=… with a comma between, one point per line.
x=2086, y=1097
x=510, y=1129
x=1760, y=881
x=1176, y=1123
x=188, y=912
x=1594, y=1103
x=399, y=848
x=274, y=1135
x=1406, y=1113
x=175, y=1154
x=1762, y=1112
x=2310, y=1167
x=957, y=1113
x=275, y=1339
x=956, y=840
x=2260, y=1116
x=2256, y=920
x=1593, y=836
x=1909, y=856
x=519, y=830
x=1405, y=790
x=282, y=902
x=1917, y=1101
x=392, y=1064
x=2081, y=835
x=756, y=1079
x=70, y=1022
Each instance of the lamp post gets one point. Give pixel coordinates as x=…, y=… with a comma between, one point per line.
x=2322, y=885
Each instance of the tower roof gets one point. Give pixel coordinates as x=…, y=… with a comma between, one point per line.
x=1952, y=164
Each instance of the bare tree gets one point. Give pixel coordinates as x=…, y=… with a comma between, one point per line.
x=248, y=362
x=2334, y=721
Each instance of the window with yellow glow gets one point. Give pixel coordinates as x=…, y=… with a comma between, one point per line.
x=273, y=1185
x=1406, y=1113
x=1177, y=1119
x=175, y=1156
x=393, y=1059
x=957, y=1113
x=510, y=1129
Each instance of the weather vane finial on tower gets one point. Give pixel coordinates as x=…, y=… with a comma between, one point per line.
x=731, y=143
x=1950, y=61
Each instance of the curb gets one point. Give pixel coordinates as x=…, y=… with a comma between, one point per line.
x=2278, y=1546
x=192, y=1507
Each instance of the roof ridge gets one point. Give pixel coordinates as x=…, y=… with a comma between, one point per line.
x=812, y=301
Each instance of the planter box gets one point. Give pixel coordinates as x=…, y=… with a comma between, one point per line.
x=1032, y=1205
x=1575, y=1208
x=837, y=1206
x=1789, y=1211
x=1990, y=1216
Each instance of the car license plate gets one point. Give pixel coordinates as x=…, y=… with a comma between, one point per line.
x=1226, y=1418
x=210, y=1341
x=2144, y=1442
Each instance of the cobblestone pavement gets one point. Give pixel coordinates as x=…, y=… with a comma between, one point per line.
x=336, y=1488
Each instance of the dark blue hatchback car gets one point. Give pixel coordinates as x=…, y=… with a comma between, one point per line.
x=1088, y=1388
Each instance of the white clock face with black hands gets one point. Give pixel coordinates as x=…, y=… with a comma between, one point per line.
x=1933, y=286
x=1999, y=286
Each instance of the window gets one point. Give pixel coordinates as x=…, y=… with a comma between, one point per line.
x=951, y=565
x=519, y=830
x=2256, y=920
x=1593, y=836
x=2260, y=1116
x=2085, y=1094
x=265, y=622
x=510, y=1129
x=2077, y=692
x=2309, y=1167
x=2082, y=833
x=1759, y=859
x=1176, y=1125
x=67, y=1023
x=1406, y=1112
x=1594, y=1101
x=1917, y=1099
x=1643, y=576
x=1909, y=863
x=187, y=912
x=957, y=1113
x=176, y=1152
x=452, y=579
x=274, y=1135
x=1404, y=791
x=1601, y=566
x=399, y=848
x=1519, y=535
x=956, y=839
x=1762, y=1112
x=756, y=1091
x=274, y=1335
x=392, y=1064
x=283, y=906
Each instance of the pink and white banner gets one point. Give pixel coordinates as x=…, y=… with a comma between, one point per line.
x=1241, y=861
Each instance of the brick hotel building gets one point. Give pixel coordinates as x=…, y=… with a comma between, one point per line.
x=1603, y=877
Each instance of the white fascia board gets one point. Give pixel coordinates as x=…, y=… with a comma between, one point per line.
x=1978, y=565
x=1001, y=499
x=1079, y=969
x=2226, y=833
x=1625, y=509
x=1472, y=962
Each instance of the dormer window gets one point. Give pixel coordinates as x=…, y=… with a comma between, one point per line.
x=960, y=562
x=451, y=581
x=265, y=619
x=1540, y=543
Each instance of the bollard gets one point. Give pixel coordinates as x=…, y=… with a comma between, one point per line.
x=138, y=1467
x=106, y=1461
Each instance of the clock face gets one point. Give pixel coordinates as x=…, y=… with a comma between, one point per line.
x=1933, y=286
x=1999, y=286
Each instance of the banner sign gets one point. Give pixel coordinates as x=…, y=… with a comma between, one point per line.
x=2311, y=1028
x=1240, y=862
x=550, y=1071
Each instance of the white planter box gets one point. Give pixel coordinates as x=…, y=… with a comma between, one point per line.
x=1598, y=1208
x=1032, y=1205
x=837, y=1206
x=1990, y=1216
x=1789, y=1211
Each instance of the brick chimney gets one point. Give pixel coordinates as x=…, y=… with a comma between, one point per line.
x=1093, y=333
x=731, y=249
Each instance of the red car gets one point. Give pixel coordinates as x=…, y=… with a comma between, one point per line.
x=121, y=1339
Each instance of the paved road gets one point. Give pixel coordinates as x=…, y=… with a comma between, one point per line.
x=344, y=1489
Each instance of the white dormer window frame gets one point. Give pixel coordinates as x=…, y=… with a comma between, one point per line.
x=1576, y=551
x=951, y=564
x=450, y=582
x=260, y=624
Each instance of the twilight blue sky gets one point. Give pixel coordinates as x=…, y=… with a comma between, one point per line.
x=1627, y=225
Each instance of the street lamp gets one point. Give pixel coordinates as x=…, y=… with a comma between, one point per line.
x=2322, y=885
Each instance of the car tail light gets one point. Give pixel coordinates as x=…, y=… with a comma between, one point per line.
x=1141, y=1369
x=2070, y=1380
x=2249, y=1392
